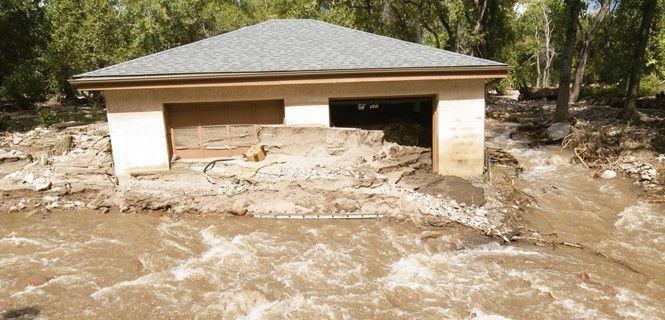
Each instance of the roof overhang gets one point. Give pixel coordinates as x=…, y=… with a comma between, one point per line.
x=287, y=78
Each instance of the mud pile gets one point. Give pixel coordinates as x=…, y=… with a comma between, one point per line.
x=308, y=171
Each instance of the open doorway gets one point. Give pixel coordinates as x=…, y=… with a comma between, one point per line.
x=404, y=120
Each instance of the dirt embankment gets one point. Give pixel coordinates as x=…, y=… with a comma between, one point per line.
x=308, y=171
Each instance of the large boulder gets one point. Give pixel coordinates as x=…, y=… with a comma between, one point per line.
x=559, y=131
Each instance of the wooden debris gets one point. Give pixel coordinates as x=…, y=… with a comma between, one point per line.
x=255, y=154
x=500, y=156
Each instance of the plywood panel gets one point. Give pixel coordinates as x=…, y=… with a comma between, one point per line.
x=219, y=129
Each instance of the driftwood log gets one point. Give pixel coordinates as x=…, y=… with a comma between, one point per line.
x=529, y=93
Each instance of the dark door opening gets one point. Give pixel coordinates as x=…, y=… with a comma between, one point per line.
x=404, y=120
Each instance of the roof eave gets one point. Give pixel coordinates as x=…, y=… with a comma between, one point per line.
x=286, y=77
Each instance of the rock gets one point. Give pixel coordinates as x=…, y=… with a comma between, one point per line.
x=11, y=155
x=29, y=178
x=608, y=174
x=661, y=157
x=557, y=160
x=238, y=208
x=50, y=198
x=629, y=159
x=559, y=130
x=103, y=144
x=15, y=176
x=53, y=205
x=584, y=276
x=62, y=145
x=343, y=205
x=394, y=177
x=651, y=171
x=41, y=184
x=37, y=281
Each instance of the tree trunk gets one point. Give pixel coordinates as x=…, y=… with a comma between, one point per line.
x=561, y=112
x=549, y=51
x=648, y=11
x=584, y=51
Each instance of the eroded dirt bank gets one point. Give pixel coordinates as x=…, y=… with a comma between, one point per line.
x=352, y=171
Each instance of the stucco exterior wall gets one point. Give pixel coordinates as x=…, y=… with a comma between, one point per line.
x=139, y=139
x=307, y=110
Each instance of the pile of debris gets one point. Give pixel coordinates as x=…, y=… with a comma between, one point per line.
x=643, y=172
x=68, y=160
x=11, y=155
x=353, y=172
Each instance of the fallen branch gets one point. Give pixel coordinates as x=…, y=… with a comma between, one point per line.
x=580, y=158
x=67, y=124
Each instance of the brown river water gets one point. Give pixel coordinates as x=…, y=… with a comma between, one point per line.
x=133, y=266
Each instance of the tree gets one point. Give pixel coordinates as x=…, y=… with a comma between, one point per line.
x=533, y=54
x=573, y=10
x=86, y=35
x=547, y=51
x=22, y=40
x=585, y=48
x=649, y=8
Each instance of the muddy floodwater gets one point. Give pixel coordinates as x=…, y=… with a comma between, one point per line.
x=138, y=266
x=78, y=265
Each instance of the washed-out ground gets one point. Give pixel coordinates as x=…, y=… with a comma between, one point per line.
x=540, y=235
x=352, y=172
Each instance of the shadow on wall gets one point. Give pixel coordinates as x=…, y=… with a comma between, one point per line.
x=26, y=313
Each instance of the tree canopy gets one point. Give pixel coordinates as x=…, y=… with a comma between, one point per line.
x=44, y=42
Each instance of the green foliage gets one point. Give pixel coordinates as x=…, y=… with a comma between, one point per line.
x=24, y=84
x=651, y=84
x=44, y=43
x=24, y=34
x=47, y=118
x=614, y=46
x=86, y=35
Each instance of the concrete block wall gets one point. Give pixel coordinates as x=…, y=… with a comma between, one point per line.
x=139, y=134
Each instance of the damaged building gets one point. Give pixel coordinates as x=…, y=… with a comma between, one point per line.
x=207, y=99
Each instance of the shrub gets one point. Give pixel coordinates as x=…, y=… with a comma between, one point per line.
x=47, y=118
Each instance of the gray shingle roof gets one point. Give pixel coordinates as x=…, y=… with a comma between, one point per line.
x=289, y=45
